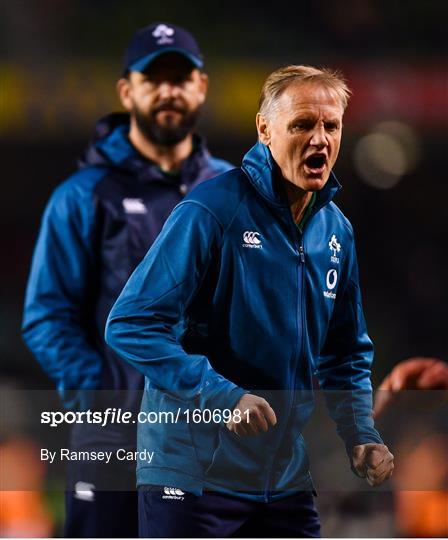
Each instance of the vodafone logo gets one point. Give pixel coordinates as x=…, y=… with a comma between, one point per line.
x=251, y=239
x=332, y=278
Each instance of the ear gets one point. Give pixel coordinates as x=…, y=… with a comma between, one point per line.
x=123, y=91
x=263, y=131
x=203, y=86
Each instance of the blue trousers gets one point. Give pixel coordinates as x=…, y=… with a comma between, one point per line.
x=100, y=501
x=112, y=514
x=176, y=514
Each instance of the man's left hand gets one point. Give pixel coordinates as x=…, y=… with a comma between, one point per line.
x=373, y=462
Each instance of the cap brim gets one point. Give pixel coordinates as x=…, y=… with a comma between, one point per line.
x=143, y=63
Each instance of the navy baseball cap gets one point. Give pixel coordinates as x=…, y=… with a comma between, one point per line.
x=156, y=39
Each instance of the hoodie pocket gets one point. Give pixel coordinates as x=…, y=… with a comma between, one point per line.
x=240, y=463
x=205, y=439
x=292, y=465
x=167, y=433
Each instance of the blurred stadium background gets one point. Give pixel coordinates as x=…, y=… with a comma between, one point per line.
x=59, y=60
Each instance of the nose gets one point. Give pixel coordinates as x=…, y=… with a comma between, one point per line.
x=168, y=90
x=319, y=138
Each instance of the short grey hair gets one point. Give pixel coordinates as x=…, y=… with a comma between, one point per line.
x=280, y=79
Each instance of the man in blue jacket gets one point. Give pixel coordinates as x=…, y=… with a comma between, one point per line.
x=251, y=291
x=96, y=228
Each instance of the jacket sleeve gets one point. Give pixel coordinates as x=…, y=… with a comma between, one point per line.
x=146, y=324
x=343, y=368
x=57, y=314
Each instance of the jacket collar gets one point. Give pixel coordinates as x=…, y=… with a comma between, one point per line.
x=110, y=146
x=261, y=169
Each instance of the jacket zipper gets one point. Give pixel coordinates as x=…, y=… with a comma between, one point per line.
x=298, y=241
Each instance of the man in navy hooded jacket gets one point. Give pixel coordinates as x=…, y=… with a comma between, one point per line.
x=249, y=292
x=96, y=228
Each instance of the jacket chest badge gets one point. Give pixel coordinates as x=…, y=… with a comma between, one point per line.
x=134, y=206
x=251, y=239
x=330, y=281
x=331, y=278
x=335, y=247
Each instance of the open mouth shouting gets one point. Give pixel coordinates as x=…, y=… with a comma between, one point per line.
x=315, y=163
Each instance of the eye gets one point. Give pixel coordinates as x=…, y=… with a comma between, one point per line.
x=146, y=79
x=331, y=126
x=301, y=125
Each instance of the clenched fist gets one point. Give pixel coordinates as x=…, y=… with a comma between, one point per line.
x=373, y=462
x=256, y=416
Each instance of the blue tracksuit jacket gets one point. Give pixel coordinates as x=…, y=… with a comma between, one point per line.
x=233, y=298
x=97, y=227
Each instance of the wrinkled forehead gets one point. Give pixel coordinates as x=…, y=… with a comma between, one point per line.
x=302, y=95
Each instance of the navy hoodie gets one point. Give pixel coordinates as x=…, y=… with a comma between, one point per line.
x=96, y=228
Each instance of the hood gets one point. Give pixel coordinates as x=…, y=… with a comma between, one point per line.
x=262, y=171
x=110, y=146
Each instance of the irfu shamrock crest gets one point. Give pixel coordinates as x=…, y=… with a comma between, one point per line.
x=335, y=247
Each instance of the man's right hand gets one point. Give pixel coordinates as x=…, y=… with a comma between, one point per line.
x=257, y=416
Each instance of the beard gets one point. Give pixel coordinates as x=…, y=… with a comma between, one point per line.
x=165, y=135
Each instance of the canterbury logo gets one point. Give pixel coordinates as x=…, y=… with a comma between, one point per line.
x=84, y=491
x=251, y=239
x=134, y=206
x=173, y=493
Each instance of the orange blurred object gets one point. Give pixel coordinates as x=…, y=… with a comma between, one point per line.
x=422, y=513
x=23, y=512
x=23, y=515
